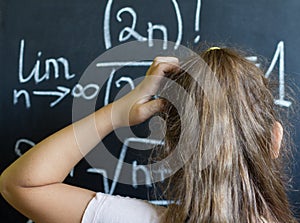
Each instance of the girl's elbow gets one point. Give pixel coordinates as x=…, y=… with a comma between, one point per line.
x=4, y=185
x=8, y=187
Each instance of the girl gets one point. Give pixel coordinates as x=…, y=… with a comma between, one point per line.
x=242, y=183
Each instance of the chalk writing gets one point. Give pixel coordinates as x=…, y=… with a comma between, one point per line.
x=60, y=93
x=35, y=72
x=254, y=59
x=128, y=32
x=108, y=87
x=80, y=91
x=104, y=176
x=124, y=63
x=106, y=25
x=197, y=21
x=279, y=56
x=125, y=79
x=111, y=76
x=123, y=154
x=142, y=168
x=135, y=166
x=179, y=24
x=19, y=93
x=27, y=142
x=50, y=64
x=163, y=29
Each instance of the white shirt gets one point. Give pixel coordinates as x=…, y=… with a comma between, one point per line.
x=105, y=208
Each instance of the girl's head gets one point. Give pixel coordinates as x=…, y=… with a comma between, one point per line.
x=242, y=181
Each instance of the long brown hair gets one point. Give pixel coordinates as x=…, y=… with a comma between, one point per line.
x=243, y=183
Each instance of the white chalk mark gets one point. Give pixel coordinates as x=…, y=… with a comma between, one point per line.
x=47, y=69
x=17, y=94
x=125, y=79
x=36, y=69
x=142, y=168
x=61, y=93
x=123, y=154
x=79, y=91
x=106, y=28
x=161, y=202
x=93, y=95
x=253, y=59
x=108, y=87
x=21, y=60
x=129, y=30
x=65, y=63
x=49, y=63
x=72, y=172
x=104, y=176
x=18, y=143
x=283, y=103
x=162, y=172
x=179, y=24
x=163, y=29
x=55, y=65
x=124, y=63
x=279, y=55
x=197, y=39
x=197, y=21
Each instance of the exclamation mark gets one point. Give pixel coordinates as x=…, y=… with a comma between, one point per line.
x=197, y=21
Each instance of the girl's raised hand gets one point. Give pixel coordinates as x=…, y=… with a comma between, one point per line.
x=137, y=106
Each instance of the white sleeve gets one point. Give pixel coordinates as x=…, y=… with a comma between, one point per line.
x=104, y=208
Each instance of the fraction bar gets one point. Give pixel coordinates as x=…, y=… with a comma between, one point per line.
x=124, y=63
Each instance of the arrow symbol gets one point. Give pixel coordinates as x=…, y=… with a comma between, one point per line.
x=61, y=93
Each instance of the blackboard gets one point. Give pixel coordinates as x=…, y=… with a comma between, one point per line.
x=47, y=45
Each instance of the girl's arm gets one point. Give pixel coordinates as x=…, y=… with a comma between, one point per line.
x=33, y=183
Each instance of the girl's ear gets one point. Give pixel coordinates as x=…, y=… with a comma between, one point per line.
x=276, y=139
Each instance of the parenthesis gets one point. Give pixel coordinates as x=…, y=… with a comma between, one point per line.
x=106, y=28
x=179, y=22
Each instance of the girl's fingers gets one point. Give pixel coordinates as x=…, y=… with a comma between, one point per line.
x=138, y=103
x=163, y=65
x=157, y=71
x=144, y=111
x=173, y=60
